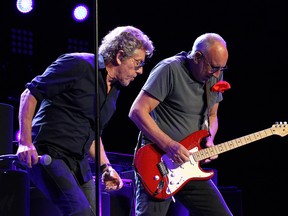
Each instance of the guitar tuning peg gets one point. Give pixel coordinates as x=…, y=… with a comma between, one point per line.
x=280, y=123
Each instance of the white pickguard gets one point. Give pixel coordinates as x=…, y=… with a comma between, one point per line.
x=178, y=174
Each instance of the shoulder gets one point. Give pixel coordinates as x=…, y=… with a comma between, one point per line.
x=173, y=62
x=78, y=57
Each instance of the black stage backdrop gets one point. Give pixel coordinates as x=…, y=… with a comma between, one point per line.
x=256, y=35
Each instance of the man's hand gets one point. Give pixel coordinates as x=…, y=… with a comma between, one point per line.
x=209, y=144
x=111, y=179
x=27, y=154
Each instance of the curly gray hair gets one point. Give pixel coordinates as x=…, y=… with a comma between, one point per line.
x=126, y=38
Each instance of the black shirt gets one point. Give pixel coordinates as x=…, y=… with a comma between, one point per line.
x=64, y=126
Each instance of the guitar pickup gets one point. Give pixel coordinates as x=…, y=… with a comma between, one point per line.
x=162, y=168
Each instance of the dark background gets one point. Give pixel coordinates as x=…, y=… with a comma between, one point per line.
x=255, y=32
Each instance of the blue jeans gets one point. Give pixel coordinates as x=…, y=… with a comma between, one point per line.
x=201, y=198
x=60, y=185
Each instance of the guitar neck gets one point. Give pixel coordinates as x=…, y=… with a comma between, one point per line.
x=232, y=144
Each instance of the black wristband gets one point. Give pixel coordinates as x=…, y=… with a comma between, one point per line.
x=104, y=167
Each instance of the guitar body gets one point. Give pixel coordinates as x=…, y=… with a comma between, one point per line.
x=161, y=177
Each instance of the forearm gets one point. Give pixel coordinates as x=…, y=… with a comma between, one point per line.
x=148, y=126
x=26, y=113
x=213, y=119
x=110, y=177
x=26, y=151
x=213, y=127
x=103, y=157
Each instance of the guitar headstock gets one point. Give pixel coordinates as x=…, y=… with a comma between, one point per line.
x=280, y=128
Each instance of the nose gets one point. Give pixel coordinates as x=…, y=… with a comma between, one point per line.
x=139, y=71
x=217, y=74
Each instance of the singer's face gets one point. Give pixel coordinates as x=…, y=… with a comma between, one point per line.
x=130, y=67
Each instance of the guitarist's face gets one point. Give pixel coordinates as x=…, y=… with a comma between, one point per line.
x=211, y=63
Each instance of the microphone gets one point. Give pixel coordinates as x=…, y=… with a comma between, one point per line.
x=43, y=159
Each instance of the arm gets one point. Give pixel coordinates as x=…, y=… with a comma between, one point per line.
x=139, y=114
x=26, y=151
x=213, y=121
x=103, y=157
x=213, y=118
x=110, y=177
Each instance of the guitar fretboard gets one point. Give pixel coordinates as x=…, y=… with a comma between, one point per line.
x=232, y=144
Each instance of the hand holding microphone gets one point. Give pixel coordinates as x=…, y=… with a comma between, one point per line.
x=29, y=156
x=44, y=159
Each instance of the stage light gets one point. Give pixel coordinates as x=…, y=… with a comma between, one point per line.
x=22, y=42
x=80, y=13
x=24, y=6
x=76, y=45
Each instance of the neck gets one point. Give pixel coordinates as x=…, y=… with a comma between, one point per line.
x=109, y=80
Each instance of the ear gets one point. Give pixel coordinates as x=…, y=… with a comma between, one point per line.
x=197, y=56
x=119, y=56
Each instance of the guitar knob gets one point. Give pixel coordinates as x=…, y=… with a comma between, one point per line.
x=156, y=177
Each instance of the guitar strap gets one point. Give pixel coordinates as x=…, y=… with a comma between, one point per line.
x=140, y=137
x=138, y=144
x=207, y=120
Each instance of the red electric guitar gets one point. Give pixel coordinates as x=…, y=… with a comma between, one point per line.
x=162, y=178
